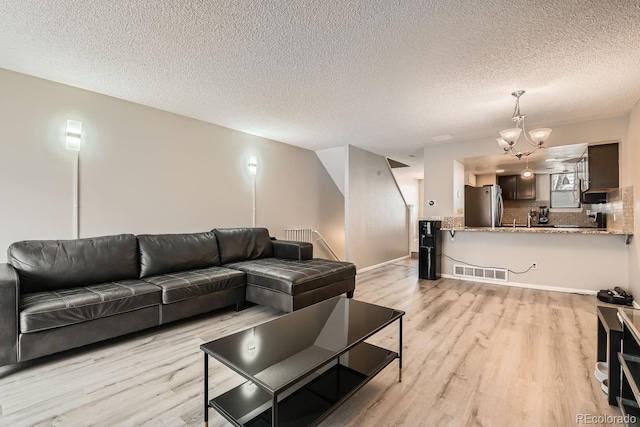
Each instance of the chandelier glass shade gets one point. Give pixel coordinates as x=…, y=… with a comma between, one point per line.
x=509, y=137
x=527, y=173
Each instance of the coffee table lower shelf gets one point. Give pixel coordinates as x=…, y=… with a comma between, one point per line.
x=310, y=404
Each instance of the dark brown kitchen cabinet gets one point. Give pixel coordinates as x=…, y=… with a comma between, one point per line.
x=525, y=188
x=508, y=186
x=515, y=187
x=603, y=167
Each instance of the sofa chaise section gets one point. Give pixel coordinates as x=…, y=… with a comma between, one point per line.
x=186, y=267
x=281, y=274
x=69, y=293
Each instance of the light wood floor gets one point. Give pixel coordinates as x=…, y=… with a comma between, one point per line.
x=474, y=354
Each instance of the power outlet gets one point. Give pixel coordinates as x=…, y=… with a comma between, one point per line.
x=534, y=265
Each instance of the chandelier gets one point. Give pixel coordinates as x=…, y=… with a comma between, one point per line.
x=509, y=137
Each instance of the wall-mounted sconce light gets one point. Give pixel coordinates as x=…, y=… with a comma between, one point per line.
x=253, y=170
x=73, y=143
x=74, y=135
x=253, y=165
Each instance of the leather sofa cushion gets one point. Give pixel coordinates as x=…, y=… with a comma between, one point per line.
x=189, y=284
x=166, y=253
x=48, y=265
x=55, y=309
x=294, y=277
x=241, y=244
x=292, y=250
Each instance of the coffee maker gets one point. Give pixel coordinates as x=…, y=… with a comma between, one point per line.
x=543, y=215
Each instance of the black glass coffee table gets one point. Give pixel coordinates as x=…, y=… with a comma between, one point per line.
x=300, y=367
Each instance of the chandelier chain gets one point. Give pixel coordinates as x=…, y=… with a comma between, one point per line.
x=517, y=117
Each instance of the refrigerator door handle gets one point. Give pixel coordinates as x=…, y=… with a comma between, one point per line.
x=500, y=210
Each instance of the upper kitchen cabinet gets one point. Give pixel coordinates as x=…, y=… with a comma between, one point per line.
x=598, y=172
x=508, y=186
x=469, y=179
x=603, y=167
x=515, y=187
x=526, y=188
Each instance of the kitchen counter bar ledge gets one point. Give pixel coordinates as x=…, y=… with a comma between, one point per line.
x=542, y=230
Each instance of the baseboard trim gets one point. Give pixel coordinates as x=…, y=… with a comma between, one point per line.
x=362, y=270
x=525, y=285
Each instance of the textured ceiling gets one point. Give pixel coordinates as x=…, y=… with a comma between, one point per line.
x=388, y=76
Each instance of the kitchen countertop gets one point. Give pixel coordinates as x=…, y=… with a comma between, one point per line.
x=543, y=230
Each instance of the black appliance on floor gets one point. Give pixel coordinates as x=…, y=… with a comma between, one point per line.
x=430, y=247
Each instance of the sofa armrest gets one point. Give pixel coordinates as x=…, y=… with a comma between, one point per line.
x=292, y=250
x=9, y=294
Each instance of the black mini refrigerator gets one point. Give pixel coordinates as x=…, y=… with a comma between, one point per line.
x=430, y=247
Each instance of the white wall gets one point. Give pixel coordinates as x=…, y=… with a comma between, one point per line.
x=633, y=155
x=376, y=215
x=421, y=199
x=146, y=171
x=575, y=261
x=578, y=262
x=486, y=179
x=410, y=188
x=458, y=189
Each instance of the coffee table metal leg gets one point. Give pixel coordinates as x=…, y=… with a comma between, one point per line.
x=274, y=411
x=400, y=354
x=206, y=390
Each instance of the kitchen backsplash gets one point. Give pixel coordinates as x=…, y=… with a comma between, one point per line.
x=619, y=209
x=518, y=209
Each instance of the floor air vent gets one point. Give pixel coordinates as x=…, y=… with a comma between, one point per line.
x=497, y=274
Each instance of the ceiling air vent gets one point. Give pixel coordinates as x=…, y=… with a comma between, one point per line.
x=475, y=273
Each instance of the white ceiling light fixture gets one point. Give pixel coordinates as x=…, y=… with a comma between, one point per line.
x=509, y=137
x=527, y=173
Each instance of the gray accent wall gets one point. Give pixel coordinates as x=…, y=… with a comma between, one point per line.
x=144, y=170
x=376, y=215
x=334, y=161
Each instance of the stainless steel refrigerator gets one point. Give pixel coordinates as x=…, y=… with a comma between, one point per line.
x=483, y=206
